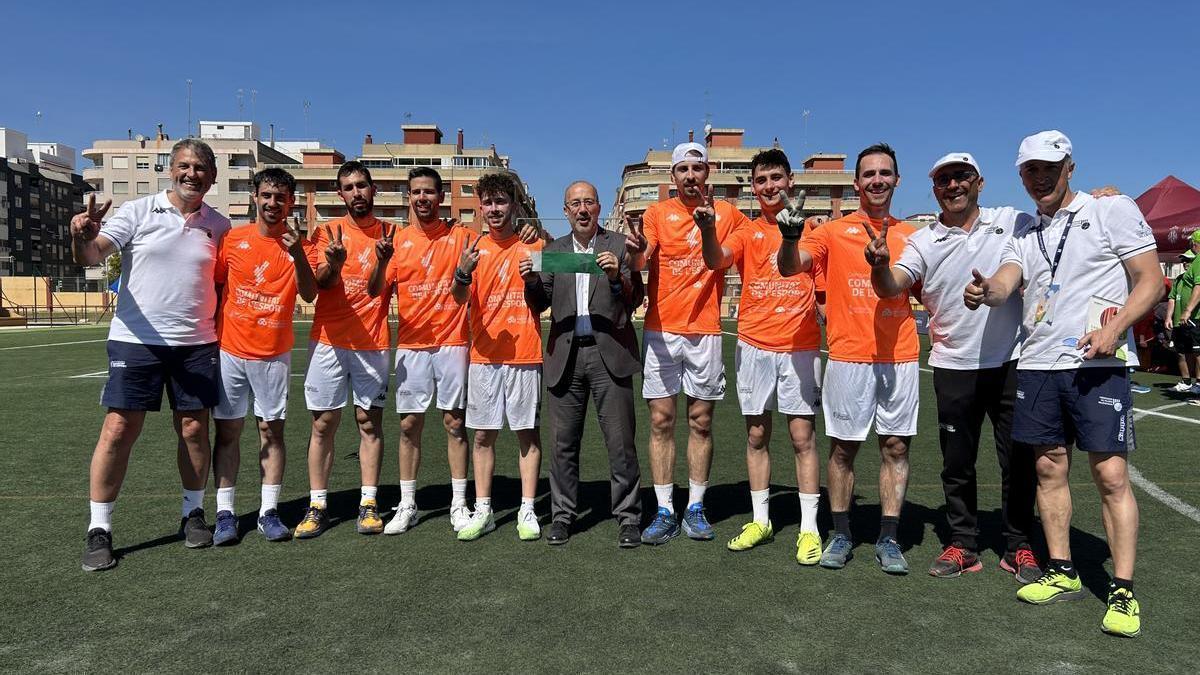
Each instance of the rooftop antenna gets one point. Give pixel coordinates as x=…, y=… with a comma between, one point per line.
x=240, y=98
x=805, y=115
x=673, y=123
x=307, y=105
x=707, y=115
x=253, y=96
x=38, y=121
x=189, y=102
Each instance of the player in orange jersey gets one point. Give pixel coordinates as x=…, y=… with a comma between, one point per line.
x=682, y=336
x=260, y=268
x=505, y=375
x=872, y=372
x=348, y=349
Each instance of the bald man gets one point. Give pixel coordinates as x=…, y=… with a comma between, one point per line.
x=592, y=351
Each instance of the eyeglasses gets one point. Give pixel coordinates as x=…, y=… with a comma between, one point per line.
x=961, y=176
x=576, y=203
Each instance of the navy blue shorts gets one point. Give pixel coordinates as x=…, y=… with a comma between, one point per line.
x=137, y=374
x=1087, y=407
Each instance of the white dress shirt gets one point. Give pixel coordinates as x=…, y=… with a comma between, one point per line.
x=583, y=287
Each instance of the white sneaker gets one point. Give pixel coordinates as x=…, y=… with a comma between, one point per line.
x=406, y=517
x=460, y=515
x=528, y=528
x=1181, y=387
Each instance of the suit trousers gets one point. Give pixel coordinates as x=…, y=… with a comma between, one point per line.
x=567, y=403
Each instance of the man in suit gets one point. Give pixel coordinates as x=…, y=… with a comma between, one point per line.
x=592, y=350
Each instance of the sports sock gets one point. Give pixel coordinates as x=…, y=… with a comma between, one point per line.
x=483, y=504
x=368, y=494
x=1118, y=582
x=408, y=492
x=664, y=494
x=526, y=503
x=192, y=499
x=696, y=492
x=101, y=515
x=808, y=512
x=319, y=498
x=841, y=523
x=1065, y=566
x=888, y=526
x=758, y=502
x=270, y=498
x=225, y=499
x=458, y=491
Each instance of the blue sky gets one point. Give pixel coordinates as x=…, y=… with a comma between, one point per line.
x=576, y=91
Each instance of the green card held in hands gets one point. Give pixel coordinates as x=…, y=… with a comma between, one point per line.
x=563, y=262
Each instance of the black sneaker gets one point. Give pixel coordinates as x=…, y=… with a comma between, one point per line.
x=628, y=536
x=194, y=530
x=98, y=554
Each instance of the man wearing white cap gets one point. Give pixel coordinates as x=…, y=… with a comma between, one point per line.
x=973, y=358
x=1089, y=270
x=683, y=336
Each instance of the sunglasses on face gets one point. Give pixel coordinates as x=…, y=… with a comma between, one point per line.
x=961, y=176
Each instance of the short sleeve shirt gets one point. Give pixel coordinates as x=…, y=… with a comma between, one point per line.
x=423, y=267
x=504, y=330
x=775, y=313
x=258, y=278
x=346, y=315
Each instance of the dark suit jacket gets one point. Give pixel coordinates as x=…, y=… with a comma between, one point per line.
x=611, y=312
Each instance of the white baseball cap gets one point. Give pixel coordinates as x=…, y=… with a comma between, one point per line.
x=682, y=153
x=954, y=158
x=1046, y=146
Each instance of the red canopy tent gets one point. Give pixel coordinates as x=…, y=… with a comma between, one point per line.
x=1172, y=208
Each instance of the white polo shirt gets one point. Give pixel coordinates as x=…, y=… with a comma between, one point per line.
x=583, y=288
x=167, y=296
x=1104, y=232
x=941, y=259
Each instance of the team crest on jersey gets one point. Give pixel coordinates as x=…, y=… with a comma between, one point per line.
x=260, y=272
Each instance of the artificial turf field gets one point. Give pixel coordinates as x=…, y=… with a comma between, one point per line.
x=423, y=601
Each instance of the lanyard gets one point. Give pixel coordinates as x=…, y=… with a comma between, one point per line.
x=1062, y=242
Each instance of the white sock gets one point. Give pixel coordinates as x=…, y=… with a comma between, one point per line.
x=408, y=493
x=368, y=492
x=696, y=492
x=665, y=495
x=758, y=500
x=270, y=498
x=101, y=515
x=225, y=499
x=808, y=512
x=483, y=504
x=526, y=503
x=319, y=498
x=192, y=499
x=458, y=490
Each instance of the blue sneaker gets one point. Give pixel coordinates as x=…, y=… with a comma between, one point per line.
x=839, y=552
x=272, y=527
x=891, y=560
x=695, y=523
x=1139, y=388
x=664, y=528
x=226, y=532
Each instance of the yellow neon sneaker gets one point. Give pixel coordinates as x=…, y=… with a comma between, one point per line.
x=1052, y=586
x=808, y=548
x=315, y=522
x=752, y=535
x=369, y=521
x=1123, y=617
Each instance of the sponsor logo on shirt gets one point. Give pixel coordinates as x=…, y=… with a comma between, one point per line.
x=1020, y=394
x=116, y=364
x=1109, y=401
x=1084, y=225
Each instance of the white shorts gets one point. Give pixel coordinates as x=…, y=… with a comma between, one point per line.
x=419, y=371
x=266, y=380
x=690, y=362
x=497, y=391
x=334, y=370
x=789, y=382
x=858, y=393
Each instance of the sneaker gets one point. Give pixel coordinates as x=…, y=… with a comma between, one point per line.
x=1194, y=390
x=752, y=535
x=954, y=561
x=889, y=556
x=98, y=553
x=695, y=523
x=527, y=525
x=226, y=532
x=839, y=552
x=272, y=527
x=1022, y=564
x=406, y=517
x=1139, y=388
x=194, y=530
x=315, y=522
x=369, y=521
x=1181, y=387
x=808, y=548
x=664, y=528
x=1123, y=617
x=460, y=515
x=480, y=524
x=1052, y=586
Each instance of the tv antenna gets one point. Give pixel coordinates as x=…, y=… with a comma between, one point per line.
x=189, y=104
x=307, y=105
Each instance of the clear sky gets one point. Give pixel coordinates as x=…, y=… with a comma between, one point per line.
x=575, y=90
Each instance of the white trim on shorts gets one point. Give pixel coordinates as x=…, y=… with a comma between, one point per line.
x=335, y=372
x=420, y=371
x=691, y=363
x=266, y=380
x=499, y=392
x=789, y=382
x=857, y=394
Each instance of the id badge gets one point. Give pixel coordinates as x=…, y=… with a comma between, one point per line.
x=1044, y=312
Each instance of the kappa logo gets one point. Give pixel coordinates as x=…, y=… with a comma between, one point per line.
x=845, y=417
x=759, y=235
x=406, y=244
x=674, y=218
x=1020, y=394
x=245, y=245
x=853, y=230
x=260, y=270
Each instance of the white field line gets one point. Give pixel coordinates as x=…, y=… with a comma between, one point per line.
x=1171, y=501
x=98, y=373
x=53, y=344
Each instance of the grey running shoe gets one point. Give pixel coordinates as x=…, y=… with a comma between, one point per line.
x=194, y=530
x=839, y=552
x=98, y=554
x=891, y=560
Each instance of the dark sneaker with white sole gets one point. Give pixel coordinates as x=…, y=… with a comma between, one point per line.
x=194, y=530
x=98, y=553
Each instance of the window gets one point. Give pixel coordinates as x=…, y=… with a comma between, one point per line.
x=120, y=161
x=143, y=187
x=17, y=180
x=466, y=216
x=18, y=223
x=20, y=267
x=18, y=202
x=164, y=160
x=143, y=162
x=20, y=245
x=120, y=187
x=467, y=190
x=164, y=184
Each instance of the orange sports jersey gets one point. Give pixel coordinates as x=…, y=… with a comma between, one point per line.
x=347, y=316
x=423, y=267
x=685, y=296
x=776, y=313
x=503, y=328
x=861, y=327
x=259, y=294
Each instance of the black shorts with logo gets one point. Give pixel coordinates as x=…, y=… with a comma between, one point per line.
x=1185, y=340
x=1087, y=407
x=137, y=374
